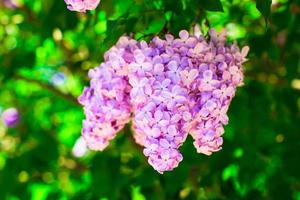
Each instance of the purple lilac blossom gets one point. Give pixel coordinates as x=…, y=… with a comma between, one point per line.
x=170, y=88
x=58, y=79
x=82, y=5
x=10, y=117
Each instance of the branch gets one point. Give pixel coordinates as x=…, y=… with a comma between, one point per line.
x=50, y=88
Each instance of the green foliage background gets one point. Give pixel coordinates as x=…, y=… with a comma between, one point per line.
x=260, y=157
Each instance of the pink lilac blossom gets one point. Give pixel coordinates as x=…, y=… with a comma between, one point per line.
x=12, y=4
x=169, y=88
x=82, y=5
x=10, y=117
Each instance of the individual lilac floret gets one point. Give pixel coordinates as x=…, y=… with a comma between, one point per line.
x=79, y=148
x=82, y=5
x=10, y=117
x=171, y=87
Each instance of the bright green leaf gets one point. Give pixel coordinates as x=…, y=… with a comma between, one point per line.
x=136, y=194
x=230, y=172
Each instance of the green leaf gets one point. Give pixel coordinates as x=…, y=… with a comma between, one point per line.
x=155, y=26
x=212, y=5
x=230, y=172
x=264, y=7
x=40, y=191
x=136, y=193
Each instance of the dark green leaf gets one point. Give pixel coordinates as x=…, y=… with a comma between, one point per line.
x=264, y=7
x=155, y=26
x=212, y=5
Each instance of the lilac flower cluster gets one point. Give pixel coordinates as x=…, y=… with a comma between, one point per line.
x=10, y=117
x=82, y=5
x=171, y=87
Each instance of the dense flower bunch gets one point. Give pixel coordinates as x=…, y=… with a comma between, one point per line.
x=82, y=5
x=10, y=117
x=171, y=87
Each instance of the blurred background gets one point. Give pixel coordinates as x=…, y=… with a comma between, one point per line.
x=45, y=53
